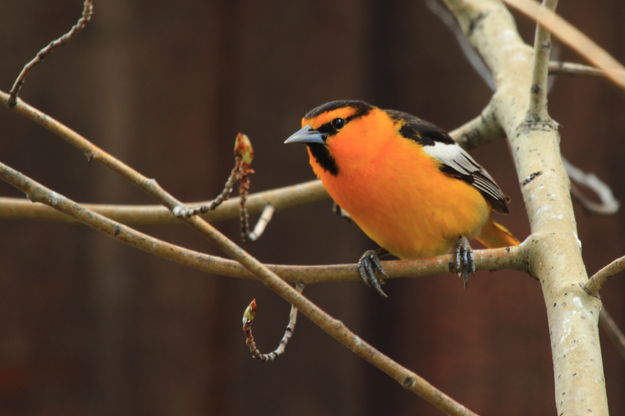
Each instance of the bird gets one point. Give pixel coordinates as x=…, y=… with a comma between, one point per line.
x=405, y=183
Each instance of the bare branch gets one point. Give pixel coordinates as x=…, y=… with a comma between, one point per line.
x=279, y=198
x=594, y=284
x=576, y=40
x=87, y=13
x=554, y=255
x=571, y=68
x=492, y=259
x=542, y=51
x=261, y=224
x=333, y=327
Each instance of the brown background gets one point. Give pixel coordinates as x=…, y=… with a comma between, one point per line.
x=88, y=326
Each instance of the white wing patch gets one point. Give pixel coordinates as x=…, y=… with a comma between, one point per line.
x=457, y=162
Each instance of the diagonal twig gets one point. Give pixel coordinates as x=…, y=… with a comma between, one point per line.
x=85, y=17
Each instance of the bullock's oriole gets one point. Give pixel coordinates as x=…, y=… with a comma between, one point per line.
x=404, y=182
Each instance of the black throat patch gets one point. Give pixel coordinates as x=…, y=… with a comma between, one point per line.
x=323, y=157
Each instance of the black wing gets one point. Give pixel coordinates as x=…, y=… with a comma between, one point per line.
x=455, y=161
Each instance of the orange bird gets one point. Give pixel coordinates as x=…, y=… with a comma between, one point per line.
x=404, y=182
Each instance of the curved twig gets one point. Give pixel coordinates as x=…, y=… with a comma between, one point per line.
x=248, y=319
x=608, y=204
x=85, y=17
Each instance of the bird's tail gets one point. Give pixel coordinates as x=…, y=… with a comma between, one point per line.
x=495, y=235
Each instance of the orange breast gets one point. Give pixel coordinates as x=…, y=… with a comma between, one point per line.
x=402, y=201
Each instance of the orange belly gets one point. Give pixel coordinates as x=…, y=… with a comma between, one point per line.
x=405, y=204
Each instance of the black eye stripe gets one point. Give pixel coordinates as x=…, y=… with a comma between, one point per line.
x=329, y=128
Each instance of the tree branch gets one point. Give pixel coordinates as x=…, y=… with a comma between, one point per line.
x=87, y=12
x=491, y=259
x=576, y=40
x=572, y=68
x=597, y=280
x=542, y=52
x=280, y=198
x=333, y=327
x=553, y=251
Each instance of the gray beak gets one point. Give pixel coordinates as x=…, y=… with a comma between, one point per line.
x=306, y=135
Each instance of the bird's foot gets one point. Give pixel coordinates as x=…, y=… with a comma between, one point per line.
x=370, y=270
x=462, y=262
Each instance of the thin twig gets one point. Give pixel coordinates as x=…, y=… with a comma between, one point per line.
x=614, y=332
x=608, y=204
x=572, y=68
x=243, y=156
x=241, y=172
x=542, y=51
x=575, y=39
x=261, y=224
x=87, y=13
x=248, y=319
x=594, y=284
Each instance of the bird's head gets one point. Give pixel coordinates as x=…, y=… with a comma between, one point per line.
x=341, y=131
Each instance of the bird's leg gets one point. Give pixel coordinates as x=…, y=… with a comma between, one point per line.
x=369, y=268
x=462, y=262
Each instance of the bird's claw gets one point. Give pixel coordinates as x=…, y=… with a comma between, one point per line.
x=462, y=262
x=370, y=268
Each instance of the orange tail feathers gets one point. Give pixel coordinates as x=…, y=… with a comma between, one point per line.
x=495, y=235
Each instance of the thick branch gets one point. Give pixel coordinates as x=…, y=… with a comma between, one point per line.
x=554, y=252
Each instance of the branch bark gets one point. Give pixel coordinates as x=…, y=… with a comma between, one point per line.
x=554, y=253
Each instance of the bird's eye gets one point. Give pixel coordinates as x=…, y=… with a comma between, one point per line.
x=338, y=123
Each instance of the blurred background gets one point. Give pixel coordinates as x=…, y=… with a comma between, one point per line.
x=90, y=326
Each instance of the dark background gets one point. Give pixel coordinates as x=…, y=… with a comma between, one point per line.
x=89, y=326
